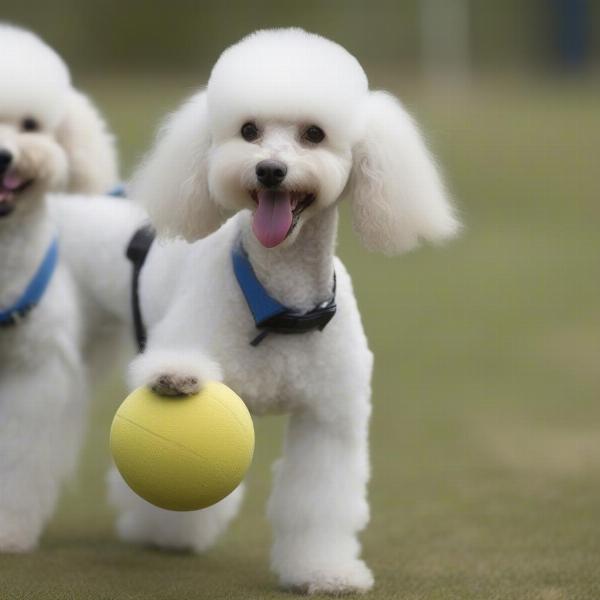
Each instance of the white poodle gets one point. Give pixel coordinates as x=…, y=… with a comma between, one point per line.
x=285, y=129
x=51, y=138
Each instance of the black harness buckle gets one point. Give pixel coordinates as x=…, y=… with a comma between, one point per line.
x=291, y=322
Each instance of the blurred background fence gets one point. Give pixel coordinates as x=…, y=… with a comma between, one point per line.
x=176, y=35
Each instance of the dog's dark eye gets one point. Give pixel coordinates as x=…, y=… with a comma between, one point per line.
x=314, y=135
x=29, y=124
x=249, y=131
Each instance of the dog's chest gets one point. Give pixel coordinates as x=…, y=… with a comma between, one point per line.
x=271, y=377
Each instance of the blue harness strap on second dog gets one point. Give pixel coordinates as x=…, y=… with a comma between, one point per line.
x=34, y=291
x=118, y=191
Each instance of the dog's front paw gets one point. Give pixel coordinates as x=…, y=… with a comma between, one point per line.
x=353, y=577
x=174, y=384
x=173, y=373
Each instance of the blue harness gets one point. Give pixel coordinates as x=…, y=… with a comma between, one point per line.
x=37, y=286
x=34, y=291
x=270, y=316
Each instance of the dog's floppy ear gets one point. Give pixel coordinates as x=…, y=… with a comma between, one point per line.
x=397, y=195
x=89, y=145
x=172, y=182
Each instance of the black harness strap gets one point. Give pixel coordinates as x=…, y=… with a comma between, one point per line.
x=137, y=251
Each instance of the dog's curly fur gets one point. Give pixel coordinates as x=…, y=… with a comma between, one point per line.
x=200, y=171
x=52, y=139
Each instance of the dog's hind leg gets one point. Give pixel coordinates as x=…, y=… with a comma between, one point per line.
x=42, y=418
x=142, y=523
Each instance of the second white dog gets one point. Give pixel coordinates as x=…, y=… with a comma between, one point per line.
x=51, y=139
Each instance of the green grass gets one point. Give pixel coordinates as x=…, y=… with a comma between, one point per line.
x=486, y=424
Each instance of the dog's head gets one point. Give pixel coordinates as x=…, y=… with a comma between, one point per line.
x=286, y=127
x=51, y=137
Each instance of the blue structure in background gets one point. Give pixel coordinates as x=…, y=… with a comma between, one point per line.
x=572, y=32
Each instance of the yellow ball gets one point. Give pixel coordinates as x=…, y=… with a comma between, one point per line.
x=183, y=453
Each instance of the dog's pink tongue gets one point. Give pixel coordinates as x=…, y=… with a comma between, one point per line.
x=273, y=217
x=12, y=181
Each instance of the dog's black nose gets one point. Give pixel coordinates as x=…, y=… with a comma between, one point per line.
x=5, y=159
x=270, y=172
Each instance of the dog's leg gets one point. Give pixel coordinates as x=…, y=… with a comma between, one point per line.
x=140, y=522
x=319, y=503
x=171, y=373
x=42, y=417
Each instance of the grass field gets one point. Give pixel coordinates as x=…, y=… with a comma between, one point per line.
x=486, y=424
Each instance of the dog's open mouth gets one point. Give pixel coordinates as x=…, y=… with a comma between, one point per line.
x=277, y=213
x=11, y=185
